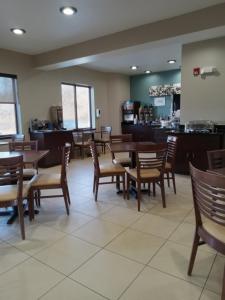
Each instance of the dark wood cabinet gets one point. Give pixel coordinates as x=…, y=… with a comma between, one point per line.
x=145, y=133
x=52, y=141
x=193, y=147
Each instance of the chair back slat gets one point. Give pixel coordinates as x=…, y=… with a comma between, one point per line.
x=216, y=159
x=23, y=146
x=65, y=160
x=171, y=149
x=208, y=195
x=11, y=172
x=121, y=138
x=150, y=157
x=94, y=154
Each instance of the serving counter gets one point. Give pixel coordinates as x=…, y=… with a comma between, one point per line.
x=191, y=146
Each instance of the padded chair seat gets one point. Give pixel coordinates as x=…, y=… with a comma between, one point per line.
x=47, y=179
x=9, y=192
x=122, y=160
x=111, y=168
x=80, y=144
x=29, y=172
x=145, y=173
x=168, y=166
x=217, y=230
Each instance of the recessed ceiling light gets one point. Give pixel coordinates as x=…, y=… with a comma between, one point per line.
x=134, y=67
x=68, y=10
x=147, y=72
x=171, y=61
x=18, y=31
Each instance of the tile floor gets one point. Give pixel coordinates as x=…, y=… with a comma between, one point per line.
x=108, y=250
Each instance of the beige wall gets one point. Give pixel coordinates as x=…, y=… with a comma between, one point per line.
x=203, y=98
x=118, y=92
x=38, y=90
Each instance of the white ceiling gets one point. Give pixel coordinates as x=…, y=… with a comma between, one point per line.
x=47, y=29
x=153, y=56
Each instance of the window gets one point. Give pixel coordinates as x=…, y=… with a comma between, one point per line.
x=77, y=106
x=8, y=105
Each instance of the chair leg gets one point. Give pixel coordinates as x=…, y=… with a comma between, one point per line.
x=124, y=192
x=21, y=219
x=94, y=183
x=65, y=199
x=223, y=289
x=139, y=195
x=149, y=192
x=174, y=183
x=68, y=193
x=153, y=189
x=118, y=182
x=193, y=252
x=96, y=188
x=30, y=200
x=128, y=187
x=168, y=178
x=163, y=192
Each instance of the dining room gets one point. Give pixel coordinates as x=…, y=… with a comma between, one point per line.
x=112, y=150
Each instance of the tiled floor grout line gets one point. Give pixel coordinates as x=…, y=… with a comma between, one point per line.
x=208, y=277
x=174, y=276
x=130, y=284
x=90, y=289
x=15, y=266
x=126, y=227
x=45, y=293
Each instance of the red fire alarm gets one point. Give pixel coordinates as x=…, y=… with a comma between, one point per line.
x=196, y=71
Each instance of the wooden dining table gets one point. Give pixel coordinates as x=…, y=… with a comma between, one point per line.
x=29, y=157
x=130, y=147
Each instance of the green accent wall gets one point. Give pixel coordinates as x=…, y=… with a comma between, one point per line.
x=140, y=84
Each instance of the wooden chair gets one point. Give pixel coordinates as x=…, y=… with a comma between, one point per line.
x=124, y=161
x=170, y=160
x=53, y=181
x=105, y=170
x=102, y=137
x=209, y=205
x=12, y=189
x=216, y=159
x=28, y=171
x=18, y=137
x=82, y=140
x=150, y=163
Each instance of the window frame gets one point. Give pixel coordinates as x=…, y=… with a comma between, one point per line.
x=74, y=85
x=15, y=103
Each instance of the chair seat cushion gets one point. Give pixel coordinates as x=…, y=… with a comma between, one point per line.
x=217, y=230
x=29, y=172
x=145, y=173
x=109, y=168
x=9, y=192
x=80, y=144
x=46, y=179
x=168, y=166
x=122, y=160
